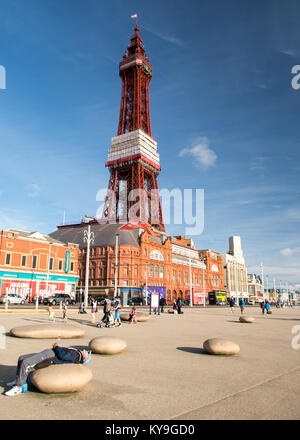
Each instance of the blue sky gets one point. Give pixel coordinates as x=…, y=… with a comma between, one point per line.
x=222, y=110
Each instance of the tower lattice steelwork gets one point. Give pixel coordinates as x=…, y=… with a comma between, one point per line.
x=133, y=159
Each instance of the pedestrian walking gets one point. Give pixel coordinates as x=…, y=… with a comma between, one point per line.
x=106, y=310
x=175, y=307
x=267, y=307
x=132, y=317
x=162, y=303
x=50, y=313
x=242, y=305
x=82, y=308
x=262, y=305
x=231, y=304
x=65, y=311
x=94, y=310
x=179, y=305
x=117, y=307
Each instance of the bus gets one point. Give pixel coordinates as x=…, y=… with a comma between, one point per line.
x=217, y=297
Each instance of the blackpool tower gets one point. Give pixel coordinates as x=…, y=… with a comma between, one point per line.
x=133, y=160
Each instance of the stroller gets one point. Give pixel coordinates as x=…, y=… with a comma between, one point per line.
x=107, y=321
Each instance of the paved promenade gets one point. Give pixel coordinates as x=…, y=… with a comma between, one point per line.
x=165, y=374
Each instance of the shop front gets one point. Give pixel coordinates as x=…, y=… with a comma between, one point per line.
x=28, y=285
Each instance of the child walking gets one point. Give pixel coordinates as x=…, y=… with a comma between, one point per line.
x=50, y=313
x=132, y=317
x=65, y=310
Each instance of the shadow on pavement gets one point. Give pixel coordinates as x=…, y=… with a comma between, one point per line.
x=7, y=374
x=236, y=322
x=84, y=322
x=195, y=350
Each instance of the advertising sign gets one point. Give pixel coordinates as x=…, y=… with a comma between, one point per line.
x=28, y=289
x=154, y=300
x=67, y=263
x=197, y=297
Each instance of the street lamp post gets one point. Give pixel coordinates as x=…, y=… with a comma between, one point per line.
x=204, y=300
x=191, y=282
x=280, y=295
x=235, y=282
x=47, y=282
x=203, y=281
x=274, y=289
x=88, y=236
x=262, y=280
x=116, y=265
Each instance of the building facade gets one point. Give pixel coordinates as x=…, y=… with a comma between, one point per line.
x=214, y=269
x=234, y=270
x=147, y=261
x=33, y=264
x=255, y=288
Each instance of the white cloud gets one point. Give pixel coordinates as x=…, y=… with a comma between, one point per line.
x=290, y=52
x=166, y=37
x=203, y=155
x=33, y=190
x=294, y=214
x=288, y=252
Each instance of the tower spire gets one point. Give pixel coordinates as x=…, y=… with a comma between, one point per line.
x=136, y=72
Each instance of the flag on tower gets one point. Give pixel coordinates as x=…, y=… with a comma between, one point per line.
x=134, y=16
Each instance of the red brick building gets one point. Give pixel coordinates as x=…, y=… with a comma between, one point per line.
x=214, y=269
x=150, y=258
x=33, y=263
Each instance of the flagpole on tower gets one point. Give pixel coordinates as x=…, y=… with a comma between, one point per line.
x=136, y=18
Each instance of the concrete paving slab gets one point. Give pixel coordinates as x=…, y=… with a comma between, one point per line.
x=164, y=372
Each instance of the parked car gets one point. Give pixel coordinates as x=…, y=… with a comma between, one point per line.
x=40, y=300
x=136, y=301
x=251, y=302
x=12, y=298
x=58, y=298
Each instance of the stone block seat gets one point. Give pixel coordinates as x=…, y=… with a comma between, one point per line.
x=61, y=378
x=247, y=319
x=47, y=331
x=139, y=316
x=107, y=345
x=220, y=346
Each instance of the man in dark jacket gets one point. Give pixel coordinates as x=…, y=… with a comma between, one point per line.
x=162, y=303
x=179, y=305
x=106, y=310
x=30, y=362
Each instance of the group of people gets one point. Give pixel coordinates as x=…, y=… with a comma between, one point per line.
x=241, y=304
x=177, y=306
x=265, y=305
